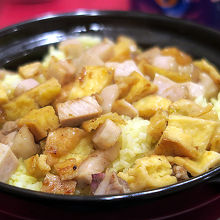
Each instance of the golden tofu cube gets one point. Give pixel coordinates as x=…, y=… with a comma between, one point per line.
x=40, y=121
x=186, y=136
x=208, y=160
x=61, y=141
x=46, y=92
x=123, y=49
x=149, y=172
x=30, y=70
x=149, y=105
x=41, y=95
x=208, y=68
x=19, y=107
x=94, y=123
x=175, y=76
x=3, y=96
x=92, y=80
x=157, y=125
x=37, y=165
x=140, y=89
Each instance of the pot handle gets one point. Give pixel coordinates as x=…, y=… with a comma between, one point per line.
x=214, y=180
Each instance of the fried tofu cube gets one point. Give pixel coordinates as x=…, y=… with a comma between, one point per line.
x=185, y=136
x=158, y=124
x=40, y=121
x=149, y=105
x=37, y=166
x=19, y=107
x=92, y=80
x=93, y=124
x=140, y=89
x=41, y=95
x=208, y=68
x=179, y=77
x=45, y=93
x=123, y=49
x=149, y=172
x=30, y=70
x=208, y=160
x=3, y=96
x=62, y=141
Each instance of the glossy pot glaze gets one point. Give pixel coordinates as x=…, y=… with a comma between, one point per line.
x=29, y=41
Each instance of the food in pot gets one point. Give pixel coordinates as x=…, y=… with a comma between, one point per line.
x=98, y=117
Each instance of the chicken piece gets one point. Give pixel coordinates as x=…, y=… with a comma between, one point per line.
x=112, y=184
x=210, y=69
x=158, y=123
x=109, y=94
x=185, y=136
x=96, y=162
x=24, y=86
x=148, y=173
x=122, y=107
x=40, y=121
x=8, y=127
x=106, y=135
x=62, y=70
x=181, y=57
x=60, y=142
x=3, y=95
x=149, y=54
x=210, y=88
x=141, y=88
x=23, y=144
x=74, y=112
x=149, y=105
x=37, y=166
x=165, y=62
x=206, y=161
x=9, y=138
x=72, y=48
x=192, y=70
x=103, y=50
x=123, y=69
x=194, y=90
x=53, y=184
x=67, y=169
x=124, y=49
x=8, y=163
x=176, y=92
x=180, y=172
x=93, y=79
x=93, y=124
x=87, y=59
x=96, y=180
x=30, y=70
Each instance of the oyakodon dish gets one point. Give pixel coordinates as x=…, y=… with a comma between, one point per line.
x=98, y=117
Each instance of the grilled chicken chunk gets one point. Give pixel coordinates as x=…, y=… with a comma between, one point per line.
x=74, y=112
x=53, y=184
x=24, y=86
x=23, y=144
x=96, y=163
x=111, y=184
x=122, y=107
x=109, y=94
x=106, y=135
x=165, y=62
x=8, y=163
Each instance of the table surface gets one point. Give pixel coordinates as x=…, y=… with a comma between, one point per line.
x=14, y=11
